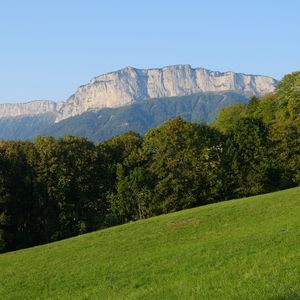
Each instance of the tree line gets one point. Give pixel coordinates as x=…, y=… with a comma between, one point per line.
x=52, y=189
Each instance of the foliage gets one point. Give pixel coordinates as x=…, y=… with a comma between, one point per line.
x=229, y=116
x=280, y=112
x=52, y=188
x=184, y=158
x=246, y=158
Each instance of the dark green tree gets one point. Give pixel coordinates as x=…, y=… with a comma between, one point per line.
x=246, y=158
x=73, y=174
x=19, y=211
x=184, y=159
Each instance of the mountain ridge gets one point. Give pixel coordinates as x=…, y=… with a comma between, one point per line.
x=35, y=107
x=105, y=123
x=130, y=85
x=102, y=124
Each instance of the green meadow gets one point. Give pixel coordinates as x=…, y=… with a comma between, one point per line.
x=240, y=249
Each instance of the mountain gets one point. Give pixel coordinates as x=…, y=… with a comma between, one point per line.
x=123, y=88
x=141, y=116
x=32, y=108
x=131, y=85
x=25, y=127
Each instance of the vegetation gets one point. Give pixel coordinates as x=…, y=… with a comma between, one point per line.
x=240, y=249
x=51, y=189
x=280, y=114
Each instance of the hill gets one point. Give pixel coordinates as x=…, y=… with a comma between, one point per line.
x=240, y=249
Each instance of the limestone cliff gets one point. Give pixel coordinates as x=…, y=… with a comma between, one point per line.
x=131, y=85
x=30, y=108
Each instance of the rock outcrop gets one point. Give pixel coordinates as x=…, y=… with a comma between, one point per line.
x=131, y=85
x=30, y=108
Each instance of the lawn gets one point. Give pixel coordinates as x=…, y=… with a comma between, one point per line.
x=240, y=249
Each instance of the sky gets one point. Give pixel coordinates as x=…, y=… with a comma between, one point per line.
x=48, y=48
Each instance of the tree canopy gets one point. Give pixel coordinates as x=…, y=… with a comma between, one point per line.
x=52, y=188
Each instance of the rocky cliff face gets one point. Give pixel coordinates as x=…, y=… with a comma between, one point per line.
x=131, y=85
x=30, y=108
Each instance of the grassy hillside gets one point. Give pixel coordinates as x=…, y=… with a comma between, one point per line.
x=240, y=249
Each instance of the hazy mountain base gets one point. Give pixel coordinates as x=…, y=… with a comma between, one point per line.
x=108, y=122
x=25, y=127
x=140, y=117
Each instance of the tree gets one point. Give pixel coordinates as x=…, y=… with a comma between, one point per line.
x=122, y=146
x=281, y=112
x=19, y=211
x=246, y=162
x=132, y=198
x=184, y=160
x=229, y=116
x=73, y=174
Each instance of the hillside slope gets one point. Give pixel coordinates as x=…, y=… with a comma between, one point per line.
x=240, y=249
x=25, y=127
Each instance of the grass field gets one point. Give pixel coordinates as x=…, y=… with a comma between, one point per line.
x=240, y=249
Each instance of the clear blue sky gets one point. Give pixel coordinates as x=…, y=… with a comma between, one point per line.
x=48, y=48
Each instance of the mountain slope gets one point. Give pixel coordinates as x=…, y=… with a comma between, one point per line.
x=108, y=122
x=140, y=117
x=240, y=249
x=25, y=127
x=131, y=86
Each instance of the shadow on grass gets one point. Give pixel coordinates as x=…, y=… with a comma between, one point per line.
x=288, y=296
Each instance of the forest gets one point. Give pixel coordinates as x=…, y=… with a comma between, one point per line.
x=51, y=189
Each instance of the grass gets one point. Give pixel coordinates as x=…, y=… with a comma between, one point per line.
x=240, y=249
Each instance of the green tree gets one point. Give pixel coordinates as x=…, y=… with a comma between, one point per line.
x=73, y=174
x=229, y=116
x=281, y=112
x=19, y=211
x=132, y=198
x=246, y=161
x=184, y=159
